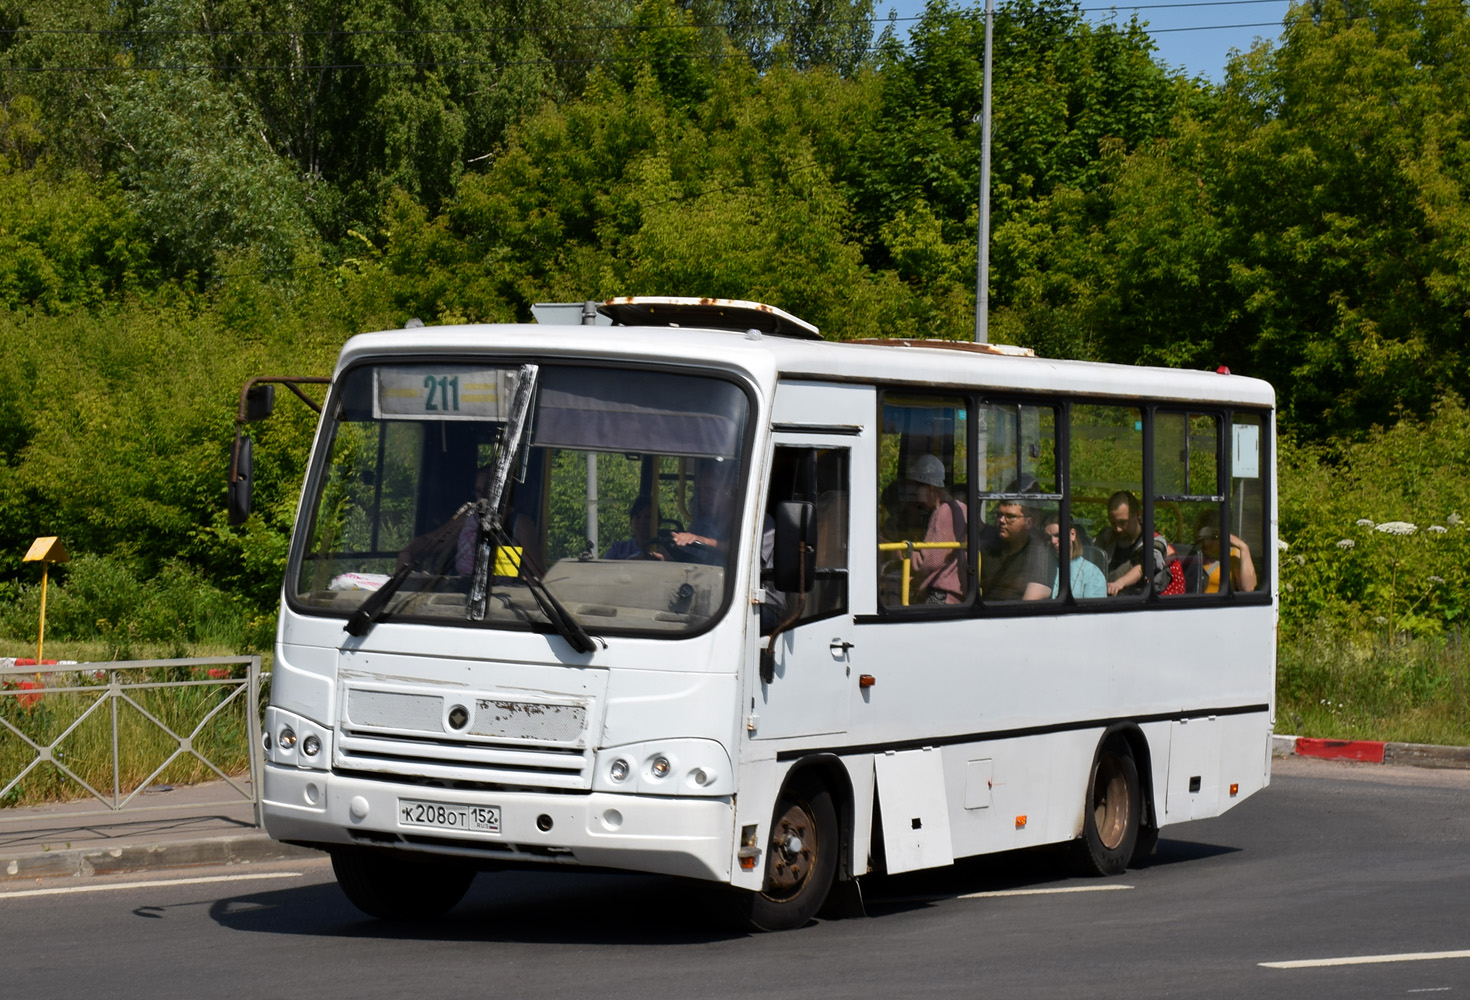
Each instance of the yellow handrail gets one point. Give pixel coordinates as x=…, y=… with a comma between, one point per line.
x=911, y=548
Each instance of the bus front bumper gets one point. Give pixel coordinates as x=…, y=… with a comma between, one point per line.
x=689, y=837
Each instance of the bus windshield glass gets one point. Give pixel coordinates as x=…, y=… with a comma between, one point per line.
x=622, y=501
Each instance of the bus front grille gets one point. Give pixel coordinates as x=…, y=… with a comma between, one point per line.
x=450, y=761
x=484, y=738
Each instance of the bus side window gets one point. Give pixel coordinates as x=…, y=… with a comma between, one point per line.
x=1107, y=491
x=1249, y=509
x=924, y=553
x=1188, y=498
x=819, y=476
x=1017, y=494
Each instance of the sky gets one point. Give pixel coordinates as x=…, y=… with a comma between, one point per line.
x=1197, y=36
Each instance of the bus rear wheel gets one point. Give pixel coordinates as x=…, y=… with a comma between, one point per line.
x=393, y=888
x=801, y=860
x=1112, y=811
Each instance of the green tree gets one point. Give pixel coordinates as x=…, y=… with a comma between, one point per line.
x=1307, y=226
x=836, y=34
x=1348, y=157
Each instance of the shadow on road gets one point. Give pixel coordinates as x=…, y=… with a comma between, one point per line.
x=528, y=907
x=585, y=908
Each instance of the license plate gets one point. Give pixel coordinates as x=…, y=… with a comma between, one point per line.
x=448, y=816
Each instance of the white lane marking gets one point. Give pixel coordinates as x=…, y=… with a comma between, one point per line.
x=1043, y=892
x=1319, y=963
x=1432, y=989
x=153, y=883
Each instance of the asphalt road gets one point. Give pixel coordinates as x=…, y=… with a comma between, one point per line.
x=1332, y=862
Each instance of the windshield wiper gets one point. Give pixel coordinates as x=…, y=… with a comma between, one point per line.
x=489, y=511
x=367, y=613
x=490, y=516
x=555, y=612
x=362, y=619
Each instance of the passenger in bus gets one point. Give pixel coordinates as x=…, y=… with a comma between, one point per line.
x=1085, y=578
x=450, y=548
x=1122, y=544
x=640, y=524
x=713, y=507
x=1020, y=568
x=1242, y=567
x=940, y=573
x=902, y=515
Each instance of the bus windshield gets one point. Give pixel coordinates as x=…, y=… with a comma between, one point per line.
x=622, y=501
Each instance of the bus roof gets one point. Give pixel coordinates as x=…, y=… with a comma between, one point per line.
x=930, y=364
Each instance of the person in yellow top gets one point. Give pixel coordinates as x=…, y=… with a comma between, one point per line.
x=1242, y=569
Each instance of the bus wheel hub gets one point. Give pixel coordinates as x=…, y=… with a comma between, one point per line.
x=791, y=851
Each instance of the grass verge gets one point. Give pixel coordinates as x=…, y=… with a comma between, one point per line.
x=1410, y=690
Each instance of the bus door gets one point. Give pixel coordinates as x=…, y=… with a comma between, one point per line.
x=806, y=686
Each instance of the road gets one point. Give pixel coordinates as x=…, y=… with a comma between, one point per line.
x=1333, y=861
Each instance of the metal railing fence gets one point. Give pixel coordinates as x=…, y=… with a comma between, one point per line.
x=108, y=687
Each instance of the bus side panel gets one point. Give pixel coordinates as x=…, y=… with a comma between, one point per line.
x=1018, y=793
x=1242, y=765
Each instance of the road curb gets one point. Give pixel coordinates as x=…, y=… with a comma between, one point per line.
x=1371, y=752
x=88, y=861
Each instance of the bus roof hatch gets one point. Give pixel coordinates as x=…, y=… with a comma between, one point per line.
x=666, y=310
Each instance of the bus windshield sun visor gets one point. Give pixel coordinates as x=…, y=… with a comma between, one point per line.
x=612, y=410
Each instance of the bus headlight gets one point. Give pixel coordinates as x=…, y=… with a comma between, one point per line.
x=294, y=741
x=692, y=767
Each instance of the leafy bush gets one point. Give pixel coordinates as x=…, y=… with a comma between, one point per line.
x=1376, y=541
x=102, y=598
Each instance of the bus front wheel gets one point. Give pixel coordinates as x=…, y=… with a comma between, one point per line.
x=392, y=888
x=1112, y=811
x=801, y=859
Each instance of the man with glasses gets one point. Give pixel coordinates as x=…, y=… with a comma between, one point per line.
x=1021, y=568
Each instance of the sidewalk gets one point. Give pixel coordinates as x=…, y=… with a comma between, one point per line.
x=184, y=826
x=167, y=827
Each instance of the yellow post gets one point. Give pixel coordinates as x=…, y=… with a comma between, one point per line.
x=45, y=551
x=41, y=632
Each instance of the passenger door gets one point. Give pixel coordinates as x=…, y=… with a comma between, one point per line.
x=813, y=659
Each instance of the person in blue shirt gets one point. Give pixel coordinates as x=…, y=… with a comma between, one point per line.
x=714, y=510
x=640, y=521
x=1086, y=579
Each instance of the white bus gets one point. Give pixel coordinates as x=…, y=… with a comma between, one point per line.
x=677, y=586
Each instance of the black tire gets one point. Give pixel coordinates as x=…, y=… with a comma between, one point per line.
x=801, y=860
x=394, y=888
x=1145, y=845
x=1111, y=812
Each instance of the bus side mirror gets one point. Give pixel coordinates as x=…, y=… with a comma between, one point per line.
x=242, y=474
x=795, y=559
x=260, y=402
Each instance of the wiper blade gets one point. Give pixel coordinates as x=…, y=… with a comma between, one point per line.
x=367, y=613
x=561, y=619
x=488, y=512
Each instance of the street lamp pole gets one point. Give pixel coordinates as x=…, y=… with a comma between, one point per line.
x=982, y=276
